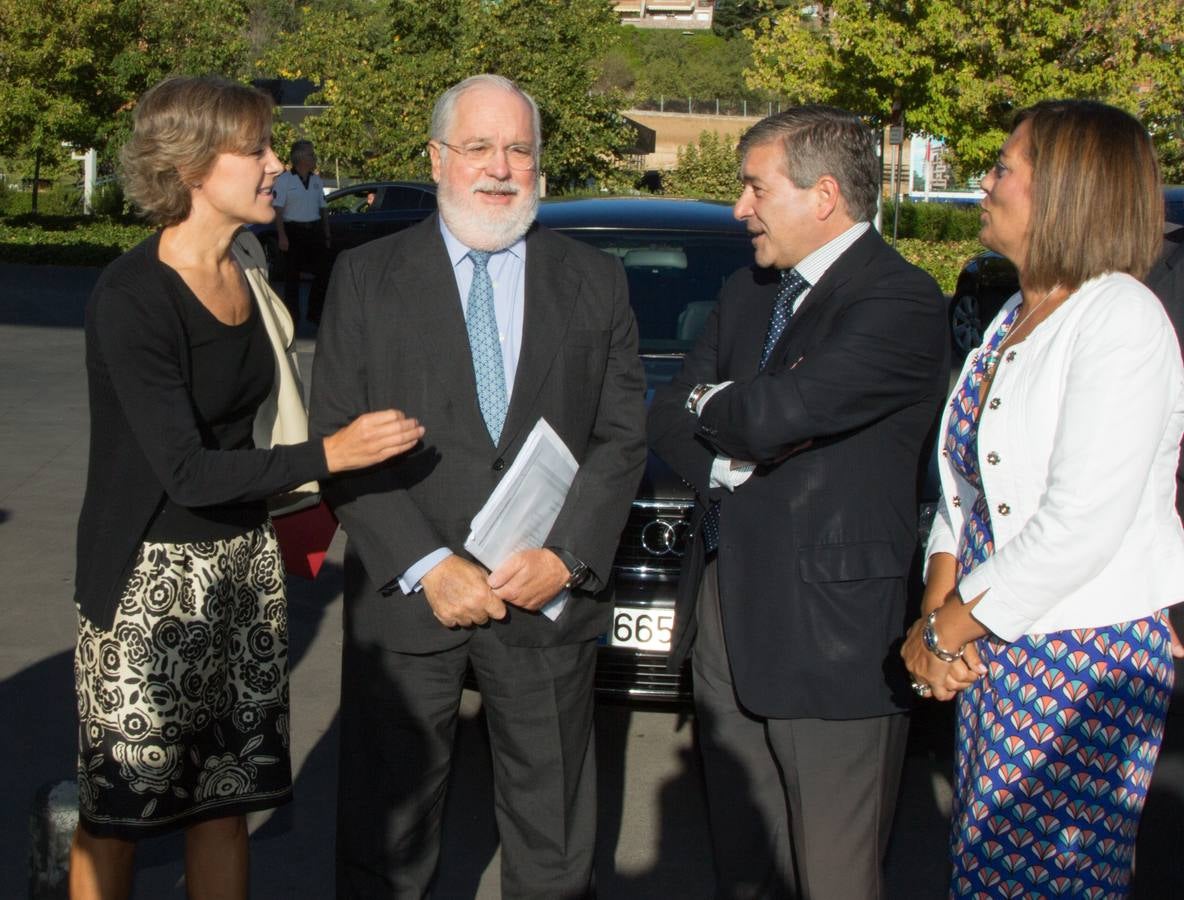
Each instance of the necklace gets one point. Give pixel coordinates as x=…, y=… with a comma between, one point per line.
x=992, y=359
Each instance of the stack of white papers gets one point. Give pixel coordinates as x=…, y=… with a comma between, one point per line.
x=523, y=507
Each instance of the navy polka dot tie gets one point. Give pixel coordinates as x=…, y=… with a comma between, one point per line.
x=481, y=321
x=792, y=286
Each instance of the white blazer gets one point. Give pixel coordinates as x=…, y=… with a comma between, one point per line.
x=1077, y=447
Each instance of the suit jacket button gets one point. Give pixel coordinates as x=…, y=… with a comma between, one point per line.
x=499, y=464
x=994, y=404
x=993, y=458
x=1004, y=509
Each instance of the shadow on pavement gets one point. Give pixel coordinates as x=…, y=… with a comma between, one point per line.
x=37, y=709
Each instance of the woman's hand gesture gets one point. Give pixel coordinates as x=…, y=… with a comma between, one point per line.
x=371, y=438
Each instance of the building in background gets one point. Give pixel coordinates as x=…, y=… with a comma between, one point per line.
x=680, y=14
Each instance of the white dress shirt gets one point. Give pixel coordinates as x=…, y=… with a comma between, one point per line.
x=296, y=201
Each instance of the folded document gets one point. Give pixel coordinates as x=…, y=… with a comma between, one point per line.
x=523, y=507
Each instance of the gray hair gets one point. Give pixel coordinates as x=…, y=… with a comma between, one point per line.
x=825, y=140
x=445, y=109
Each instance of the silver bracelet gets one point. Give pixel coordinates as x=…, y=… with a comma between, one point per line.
x=929, y=636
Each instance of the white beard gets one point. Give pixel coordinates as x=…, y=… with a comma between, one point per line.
x=483, y=227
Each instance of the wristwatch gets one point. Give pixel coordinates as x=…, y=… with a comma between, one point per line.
x=929, y=636
x=577, y=570
x=697, y=394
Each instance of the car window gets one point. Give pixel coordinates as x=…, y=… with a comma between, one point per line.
x=674, y=279
x=348, y=202
x=406, y=198
x=1173, y=205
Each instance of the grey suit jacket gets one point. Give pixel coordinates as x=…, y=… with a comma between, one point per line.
x=393, y=335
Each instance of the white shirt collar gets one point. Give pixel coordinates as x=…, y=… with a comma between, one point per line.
x=814, y=266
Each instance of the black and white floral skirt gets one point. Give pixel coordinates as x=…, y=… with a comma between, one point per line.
x=183, y=702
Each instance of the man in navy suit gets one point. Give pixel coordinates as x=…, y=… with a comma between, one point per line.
x=482, y=323
x=799, y=418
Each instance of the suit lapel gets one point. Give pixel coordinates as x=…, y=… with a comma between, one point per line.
x=551, y=291
x=426, y=278
x=797, y=334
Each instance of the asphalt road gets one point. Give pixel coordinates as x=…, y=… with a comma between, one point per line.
x=652, y=839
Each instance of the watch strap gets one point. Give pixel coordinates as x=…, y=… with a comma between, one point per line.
x=577, y=570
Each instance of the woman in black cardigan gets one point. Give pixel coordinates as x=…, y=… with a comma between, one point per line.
x=181, y=661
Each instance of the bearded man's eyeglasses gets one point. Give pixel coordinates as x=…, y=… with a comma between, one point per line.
x=520, y=157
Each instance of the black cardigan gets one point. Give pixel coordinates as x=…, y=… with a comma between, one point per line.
x=144, y=438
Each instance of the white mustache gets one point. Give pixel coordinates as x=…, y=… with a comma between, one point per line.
x=490, y=186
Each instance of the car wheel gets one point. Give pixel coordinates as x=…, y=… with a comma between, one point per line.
x=966, y=327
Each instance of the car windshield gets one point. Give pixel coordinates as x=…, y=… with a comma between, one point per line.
x=674, y=278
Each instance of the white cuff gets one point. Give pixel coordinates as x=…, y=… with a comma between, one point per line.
x=729, y=474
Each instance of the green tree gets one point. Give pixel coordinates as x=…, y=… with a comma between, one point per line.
x=700, y=65
x=70, y=70
x=709, y=169
x=960, y=68
x=380, y=70
x=733, y=16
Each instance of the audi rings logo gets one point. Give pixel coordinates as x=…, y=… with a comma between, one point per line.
x=662, y=537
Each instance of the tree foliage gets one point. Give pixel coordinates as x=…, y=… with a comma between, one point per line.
x=665, y=63
x=732, y=17
x=380, y=70
x=70, y=70
x=959, y=69
x=709, y=169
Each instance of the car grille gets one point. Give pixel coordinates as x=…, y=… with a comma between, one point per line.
x=640, y=675
x=654, y=540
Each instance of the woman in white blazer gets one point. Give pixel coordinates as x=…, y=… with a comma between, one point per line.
x=1057, y=546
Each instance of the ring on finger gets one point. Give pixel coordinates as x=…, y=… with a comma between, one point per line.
x=921, y=689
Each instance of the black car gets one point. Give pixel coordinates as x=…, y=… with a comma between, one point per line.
x=361, y=213
x=677, y=255
x=987, y=280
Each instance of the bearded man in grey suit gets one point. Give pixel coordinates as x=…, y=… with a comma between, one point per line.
x=481, y=323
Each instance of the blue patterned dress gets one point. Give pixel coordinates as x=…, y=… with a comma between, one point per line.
x=1056, y=744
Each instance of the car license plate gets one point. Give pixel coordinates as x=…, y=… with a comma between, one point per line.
x=641, y=629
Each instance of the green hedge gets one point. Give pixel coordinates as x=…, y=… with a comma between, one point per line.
x=66, y=240
x=941, y=259
x=58, y=200
x=934, y=221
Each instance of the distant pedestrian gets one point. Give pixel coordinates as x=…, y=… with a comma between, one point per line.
x=302, y=227
x=181, y=665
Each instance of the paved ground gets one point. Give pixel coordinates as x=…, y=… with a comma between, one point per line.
x=653, y=840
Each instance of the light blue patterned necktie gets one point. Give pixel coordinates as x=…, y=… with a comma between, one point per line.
x=792, y=286
x=486, y=348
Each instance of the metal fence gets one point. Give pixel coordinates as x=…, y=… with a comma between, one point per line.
x=718, y=106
